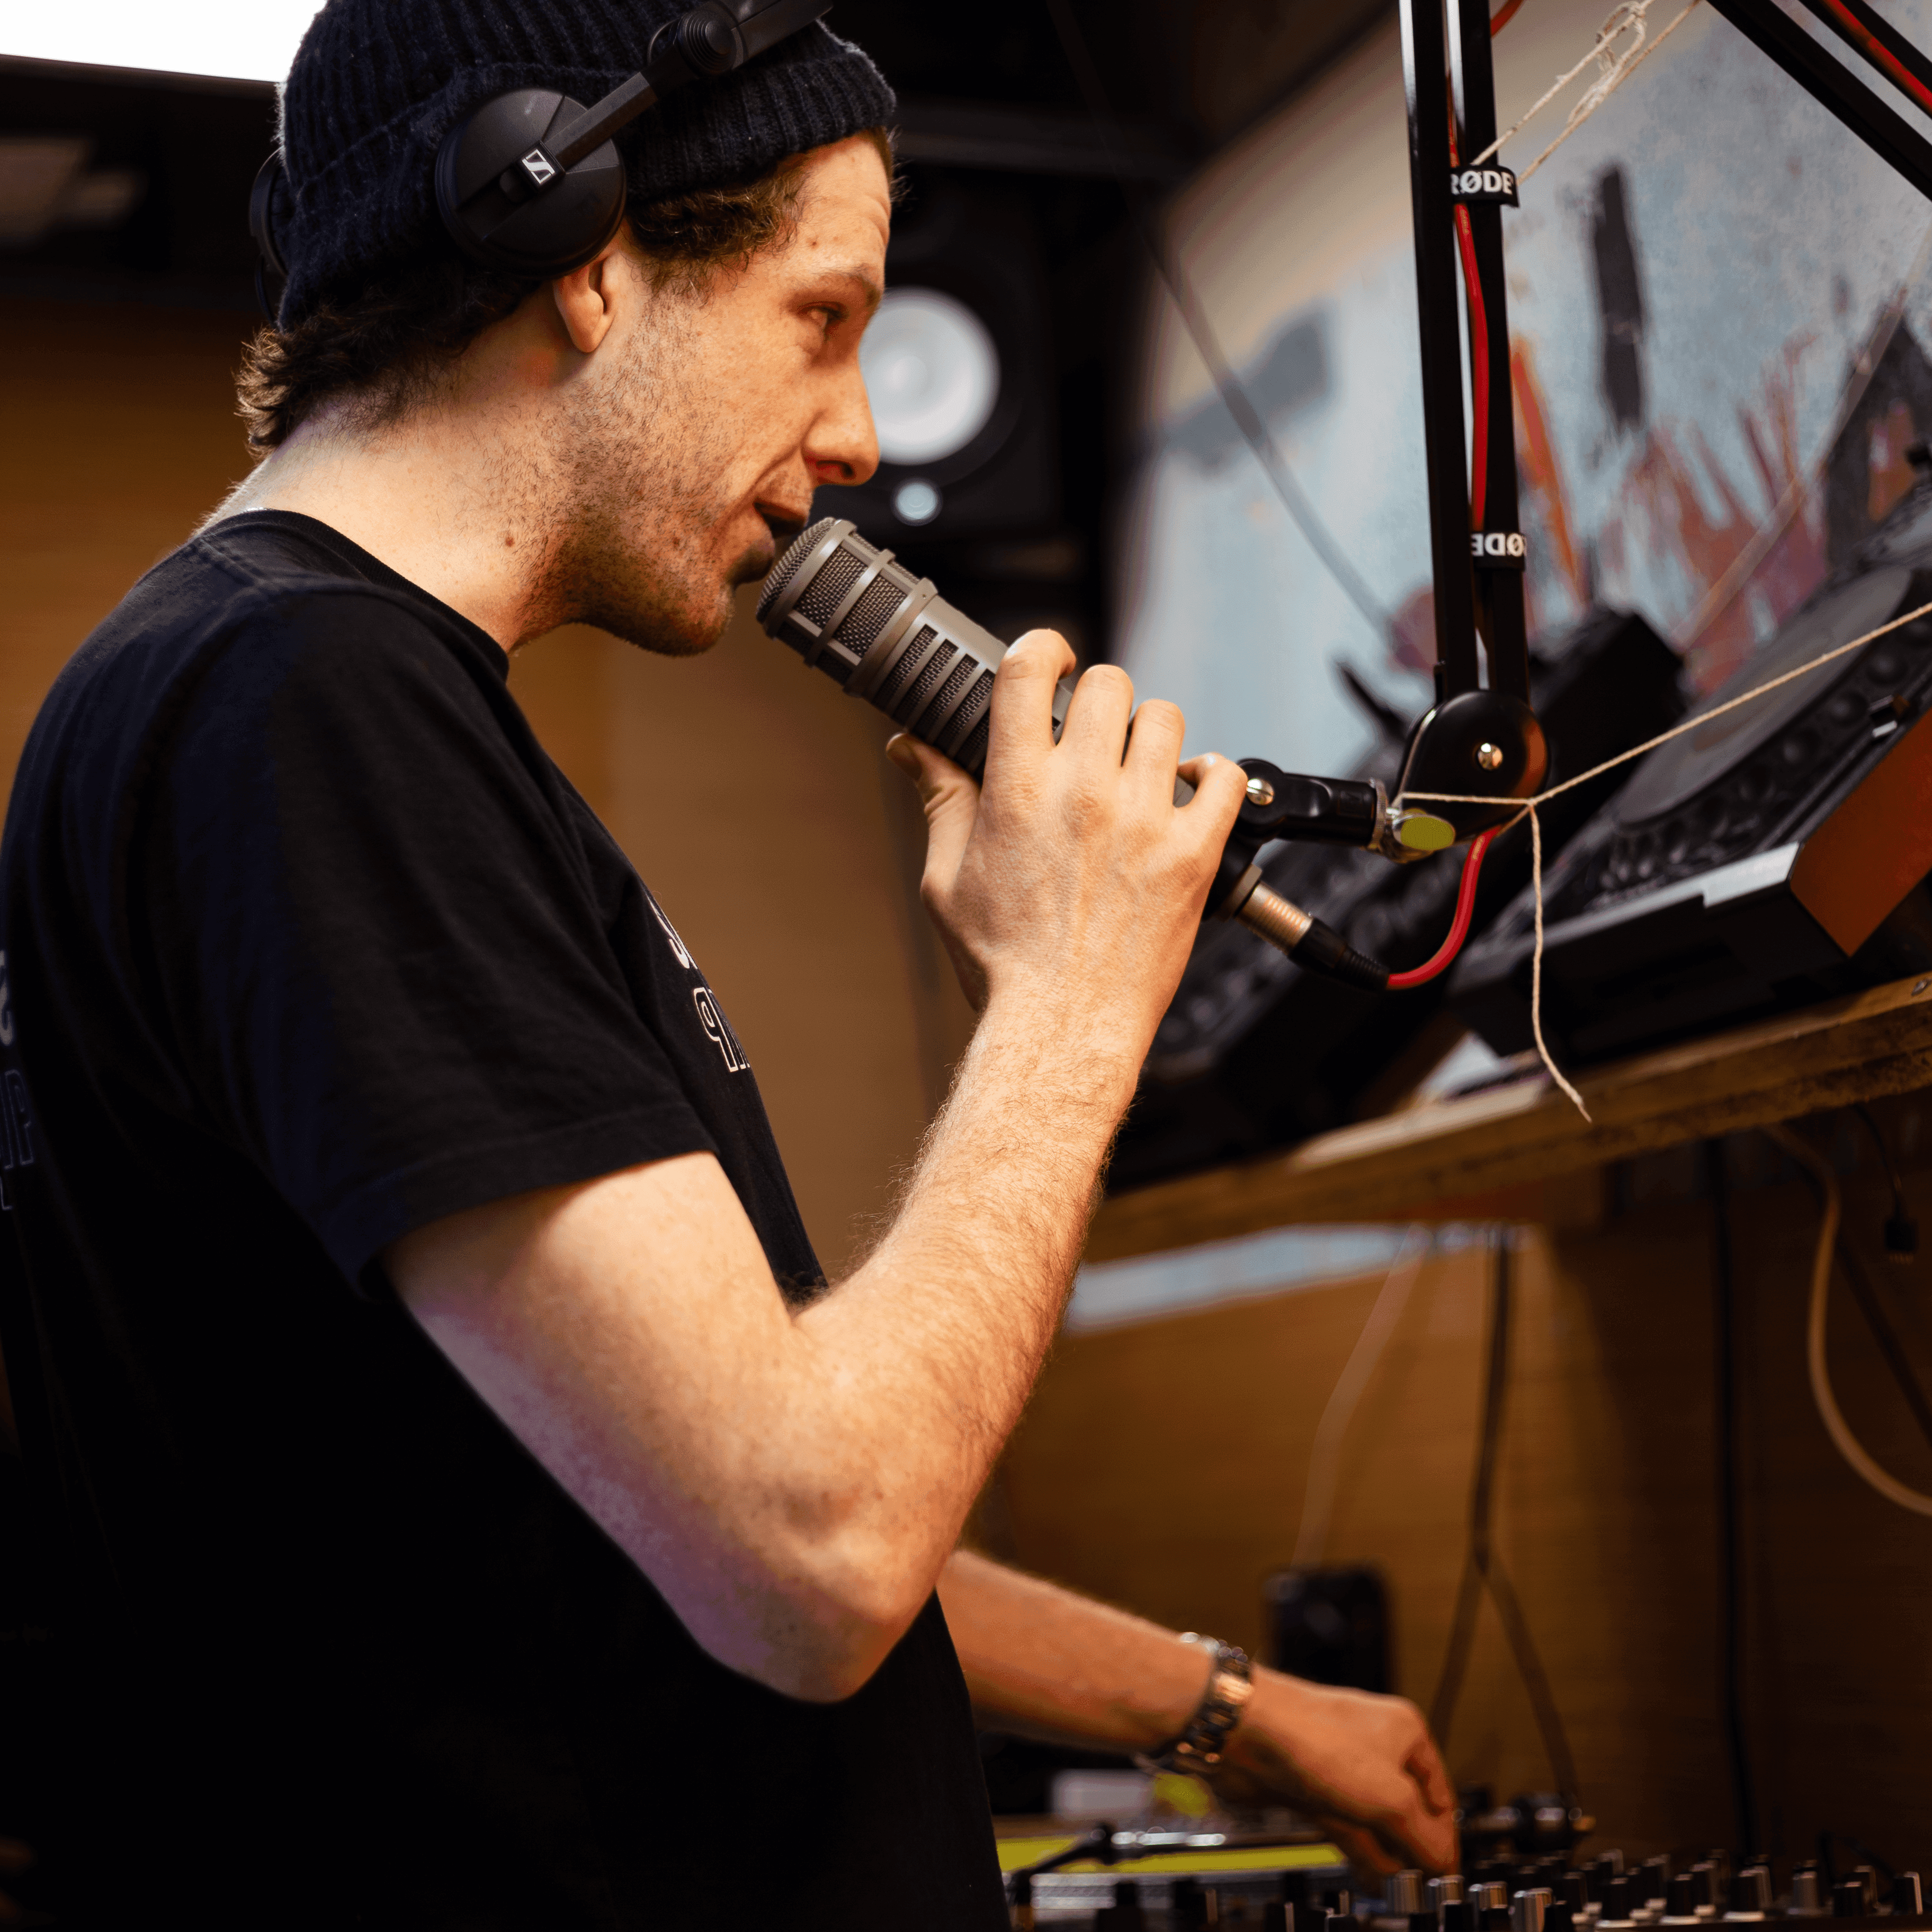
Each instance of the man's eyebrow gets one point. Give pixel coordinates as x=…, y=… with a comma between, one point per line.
x=853, y=271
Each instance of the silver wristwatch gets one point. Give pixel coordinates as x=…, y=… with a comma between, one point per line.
x=1231, y=1683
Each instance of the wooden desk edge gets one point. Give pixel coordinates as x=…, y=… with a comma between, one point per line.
x=1484, y=1145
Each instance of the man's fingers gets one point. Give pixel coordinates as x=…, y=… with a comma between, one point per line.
x=1220, y=786
x=1153, y=739
x=1103, y=701
x=1425, y=1765
x=1362, y=1848
x=1021, y=726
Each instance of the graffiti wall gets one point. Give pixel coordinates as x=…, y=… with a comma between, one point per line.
x=1720, y=308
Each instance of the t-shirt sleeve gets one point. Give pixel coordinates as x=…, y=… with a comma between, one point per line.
x=386, y=972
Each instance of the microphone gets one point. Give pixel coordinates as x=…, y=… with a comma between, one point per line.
x=850, y=610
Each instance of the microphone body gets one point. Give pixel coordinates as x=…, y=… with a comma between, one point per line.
x=853, y=611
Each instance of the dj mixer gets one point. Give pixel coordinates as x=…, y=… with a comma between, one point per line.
x=1141, y=1882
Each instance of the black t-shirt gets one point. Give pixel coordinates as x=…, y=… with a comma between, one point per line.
x=308, y=943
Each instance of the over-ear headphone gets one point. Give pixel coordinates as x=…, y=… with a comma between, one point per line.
x=531, y=182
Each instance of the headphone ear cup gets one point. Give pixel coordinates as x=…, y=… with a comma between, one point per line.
x=550, y=233
x=270, y=274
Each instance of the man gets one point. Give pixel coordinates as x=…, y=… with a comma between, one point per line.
x=477, y=1510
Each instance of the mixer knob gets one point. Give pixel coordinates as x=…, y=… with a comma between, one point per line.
x=1527, y=1909
x=1275, y=1916
x=1680, y=1902
x=1404, y=1897
x=1571, y=1890
x=1908, y=1895
x=1706, y=1874
x=1458, y=1915
x=1750, y=1893
x=1447, y=1890
x=1848, y=1899
x=1619, y=1902
x=1808, y=1895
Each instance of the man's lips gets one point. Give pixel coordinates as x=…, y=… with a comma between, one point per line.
x=783, y=528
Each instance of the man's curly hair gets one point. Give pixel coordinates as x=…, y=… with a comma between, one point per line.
x=384, y=346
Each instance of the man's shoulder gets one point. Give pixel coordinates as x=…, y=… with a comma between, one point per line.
x=250, y=606
x=244, y=636
x=247, y=579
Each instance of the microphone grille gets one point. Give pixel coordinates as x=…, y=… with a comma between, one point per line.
x=851, y=609
x=788, y=566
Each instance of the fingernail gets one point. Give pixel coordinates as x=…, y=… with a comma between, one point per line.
x=1209, y=760
x=898, y=749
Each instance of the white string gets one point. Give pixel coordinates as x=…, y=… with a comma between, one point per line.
x=1848, y=1445
x=1694, y=723
x=1536, y=967
x=1325, y=1457
x=1615, y=65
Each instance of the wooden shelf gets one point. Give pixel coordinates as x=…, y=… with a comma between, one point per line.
x=1493, y=1155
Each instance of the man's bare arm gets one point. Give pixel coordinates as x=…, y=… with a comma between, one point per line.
x=793, y=1483
x=1043, y=1662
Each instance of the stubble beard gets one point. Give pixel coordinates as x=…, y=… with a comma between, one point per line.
x=644, y=497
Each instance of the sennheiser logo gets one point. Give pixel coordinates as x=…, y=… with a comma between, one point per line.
x=722, y=1036
x=538, y=166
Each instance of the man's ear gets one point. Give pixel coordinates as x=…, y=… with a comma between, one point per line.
x=586, y=299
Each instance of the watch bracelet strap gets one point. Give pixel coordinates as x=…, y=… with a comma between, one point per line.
x=1230, y=1685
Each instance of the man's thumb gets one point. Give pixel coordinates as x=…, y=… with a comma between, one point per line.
x=951, y=798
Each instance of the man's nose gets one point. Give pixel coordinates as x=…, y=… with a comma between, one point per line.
x=842, y=445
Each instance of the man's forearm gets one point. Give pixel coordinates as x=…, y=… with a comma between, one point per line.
x=1042, y=1662
x=961, y=1297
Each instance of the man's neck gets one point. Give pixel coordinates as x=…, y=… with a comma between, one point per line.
x=431, y=498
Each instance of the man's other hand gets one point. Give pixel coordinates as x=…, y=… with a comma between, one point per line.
x=1043, y=1662
x=1362, y=1767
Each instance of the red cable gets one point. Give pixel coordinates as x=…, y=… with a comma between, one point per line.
x=1479, y=372
x=1880, y=56
x=1459, y=931
x=1479, y=353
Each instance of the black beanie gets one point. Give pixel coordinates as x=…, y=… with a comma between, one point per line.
x=376, y=84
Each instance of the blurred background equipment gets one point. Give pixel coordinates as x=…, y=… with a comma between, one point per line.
x=1331, y=1626
x=1768, y=860
x=959, y=365
x=1254, y=1053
